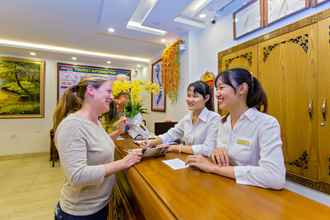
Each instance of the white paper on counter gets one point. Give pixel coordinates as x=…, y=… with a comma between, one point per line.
x=175, y=164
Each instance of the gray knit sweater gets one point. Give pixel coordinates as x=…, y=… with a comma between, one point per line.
x=84, y=147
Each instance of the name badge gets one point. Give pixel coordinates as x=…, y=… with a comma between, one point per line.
x=243, y=142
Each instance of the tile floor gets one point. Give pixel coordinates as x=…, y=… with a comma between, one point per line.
x=29, y=188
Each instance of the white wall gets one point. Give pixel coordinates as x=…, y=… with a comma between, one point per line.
x=203, y=51
x=20, y=136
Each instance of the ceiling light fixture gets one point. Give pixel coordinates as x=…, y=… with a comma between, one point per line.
x=163, y=40
x=33, y=53
x=195, y=7
x=111, y=30
x=190, y=22
x=140, y=14
x=51, y=48
x=108, y=62
x=138, y=66
x=74, y=58
x=139, y=27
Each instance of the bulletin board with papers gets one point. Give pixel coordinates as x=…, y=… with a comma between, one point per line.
x=69, y=75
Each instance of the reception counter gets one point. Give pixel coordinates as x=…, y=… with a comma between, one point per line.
x=162, y=193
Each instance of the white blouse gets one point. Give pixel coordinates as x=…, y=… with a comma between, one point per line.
x=202, y=135
x=255, y=149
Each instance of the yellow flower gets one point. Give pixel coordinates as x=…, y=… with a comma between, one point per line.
x=120, y=86
x=134, y=89
x=151, y=87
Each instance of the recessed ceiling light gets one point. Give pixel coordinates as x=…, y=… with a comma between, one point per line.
x=202, y=15
x=33, y=53
x=108, y=62
x=111, y=30
x=163, y=40
x=138, y=66
x=74, y=58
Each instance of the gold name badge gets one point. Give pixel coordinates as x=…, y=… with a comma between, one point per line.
x=243, y=142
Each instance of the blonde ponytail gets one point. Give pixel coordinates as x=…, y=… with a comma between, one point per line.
x=73, y=98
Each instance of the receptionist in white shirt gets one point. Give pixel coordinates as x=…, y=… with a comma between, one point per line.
x=198, y=129
x=249, y=146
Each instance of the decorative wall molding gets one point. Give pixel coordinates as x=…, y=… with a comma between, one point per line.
x=301, y=162
x=301, y=40
x=247, y=56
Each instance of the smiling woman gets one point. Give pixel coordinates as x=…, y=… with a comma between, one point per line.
x=198, y=129
x=249, y=145
x=86, y=151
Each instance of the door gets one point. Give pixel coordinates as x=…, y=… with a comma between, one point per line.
x=287, y=70
x=271, y=76
x=324, y=99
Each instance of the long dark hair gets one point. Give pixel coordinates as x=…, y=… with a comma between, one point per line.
x=203, y=89
x=73, y=98
x=256, y=97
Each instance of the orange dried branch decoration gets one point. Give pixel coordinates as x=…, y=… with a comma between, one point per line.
x=171, y=70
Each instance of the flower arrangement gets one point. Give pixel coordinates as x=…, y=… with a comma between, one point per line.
x=134, y=89
x=171, y=70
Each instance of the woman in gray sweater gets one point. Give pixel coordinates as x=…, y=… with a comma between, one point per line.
x=86, y=151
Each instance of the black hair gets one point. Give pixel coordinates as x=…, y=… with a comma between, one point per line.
x=203, y=89
x=112, y=113
x=256, y=96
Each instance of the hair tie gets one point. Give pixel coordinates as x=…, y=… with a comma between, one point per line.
x=74, y=88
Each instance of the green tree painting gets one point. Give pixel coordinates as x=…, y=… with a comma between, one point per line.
x=21, y=88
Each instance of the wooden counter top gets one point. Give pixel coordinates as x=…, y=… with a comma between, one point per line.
x=163, y=193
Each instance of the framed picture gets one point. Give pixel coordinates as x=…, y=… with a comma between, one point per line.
x=158, y=101
x=22, y=91
x=279, y=9
x=318, y=2
x=248, y=18
x=69, y=75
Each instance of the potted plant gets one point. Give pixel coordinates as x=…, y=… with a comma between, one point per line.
x=134, y=109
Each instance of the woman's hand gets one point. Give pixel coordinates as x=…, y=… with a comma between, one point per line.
x=148, y=143
x=132, y=158
x=129, y=160
x=121, y=124
x=174, y=148
x=220, y=157
x=201, y=163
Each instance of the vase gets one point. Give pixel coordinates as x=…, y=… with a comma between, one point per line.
x=137, y=129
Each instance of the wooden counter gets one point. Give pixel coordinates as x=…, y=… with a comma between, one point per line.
x=163, y=193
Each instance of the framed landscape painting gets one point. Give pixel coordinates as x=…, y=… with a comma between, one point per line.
x=158, y=101
x=21, y=88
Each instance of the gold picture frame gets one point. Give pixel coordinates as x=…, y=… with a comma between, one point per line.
x=22, y=88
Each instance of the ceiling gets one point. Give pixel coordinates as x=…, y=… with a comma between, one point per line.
x=83, y=25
